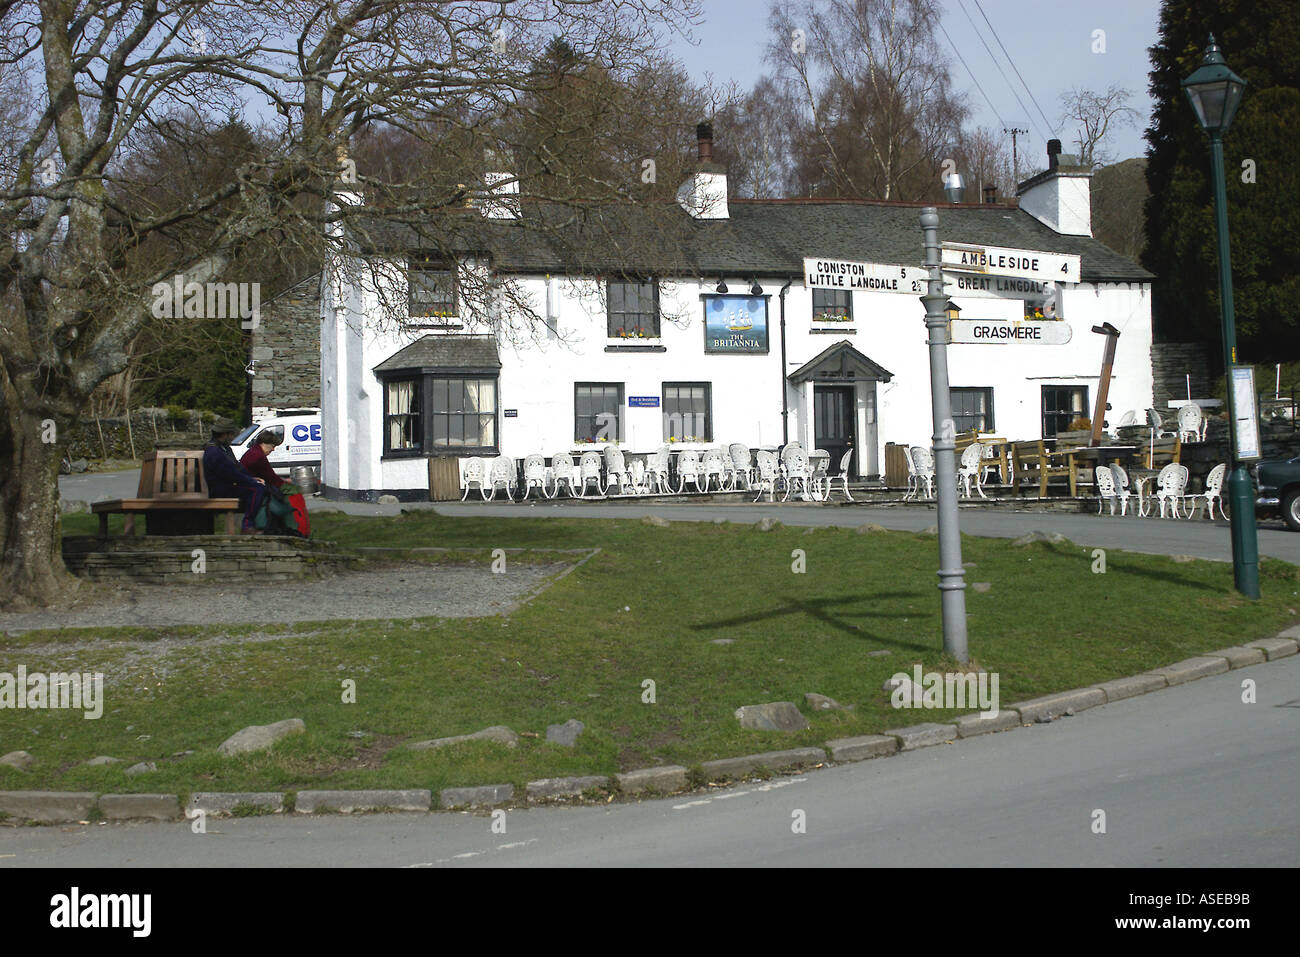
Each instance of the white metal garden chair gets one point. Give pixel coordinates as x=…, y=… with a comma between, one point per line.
x=656, y=472
x=842, y=476
x=742, y=464
x=714, y=465
x=473, y=474
x=616, y=470
x=797, y=472
x=819, y=464
x=1119, y=481
x=923, y=461
x=637, y=470
x=501, y=475
x=1191, y=423
x=588, y=472
x=1156, y=422
x=1106, y=492
x=1171, y=485
x=563, y=473
x=1213, y=493
x=972, y=467
x=689, y=469
x=535, y=475
x=768, y=469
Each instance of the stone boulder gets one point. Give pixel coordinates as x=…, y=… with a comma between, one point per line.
x=102, y=760
x=258, y=737
x=772, y=716
x=766, y=524
x=820, y=702
x=144, y=767
x=565, y=734
x=498, y=733
x=19, y=760
x=1052, y=538
x=656, y=521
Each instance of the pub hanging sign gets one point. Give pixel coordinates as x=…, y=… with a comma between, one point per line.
x=735, y=325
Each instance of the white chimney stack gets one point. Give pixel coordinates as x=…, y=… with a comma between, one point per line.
x=1060, y=196
x=704, y=194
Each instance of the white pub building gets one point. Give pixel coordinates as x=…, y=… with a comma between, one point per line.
x=788, y=320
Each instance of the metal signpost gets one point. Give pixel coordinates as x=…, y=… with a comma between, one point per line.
x=952, y=576
x=877, y=277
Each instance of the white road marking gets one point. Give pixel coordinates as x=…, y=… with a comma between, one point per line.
x=506, y=847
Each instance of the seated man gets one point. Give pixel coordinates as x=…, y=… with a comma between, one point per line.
x=226, y=478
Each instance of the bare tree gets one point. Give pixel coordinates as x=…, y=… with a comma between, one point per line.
x=877, y=91
x=86, y=250
x=1098, y=115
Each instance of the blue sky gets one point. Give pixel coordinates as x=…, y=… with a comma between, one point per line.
x=1050, y=43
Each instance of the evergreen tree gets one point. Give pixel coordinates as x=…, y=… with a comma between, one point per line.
x=1261, y=43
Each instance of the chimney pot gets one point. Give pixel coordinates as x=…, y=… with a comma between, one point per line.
x=704, y=140
x=1053, y=151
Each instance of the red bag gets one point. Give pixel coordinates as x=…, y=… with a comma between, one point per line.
x=299, y=503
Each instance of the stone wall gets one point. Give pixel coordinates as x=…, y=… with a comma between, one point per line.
x=150, y=429
x=1170, y=364
x=286, y=349
x=170, y=559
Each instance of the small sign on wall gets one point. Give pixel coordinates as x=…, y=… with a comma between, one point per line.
x=512, y=413
x=643, y=401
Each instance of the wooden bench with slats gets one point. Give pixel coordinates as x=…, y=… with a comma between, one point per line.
x=171, y=483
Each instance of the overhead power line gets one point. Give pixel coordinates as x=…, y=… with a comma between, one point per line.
x=971, y=74
x=1032, y=99
x=1002, y=72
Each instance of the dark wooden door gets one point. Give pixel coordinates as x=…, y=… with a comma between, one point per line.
x=834, y=419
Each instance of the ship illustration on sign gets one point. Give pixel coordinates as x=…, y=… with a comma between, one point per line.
x=739, y=321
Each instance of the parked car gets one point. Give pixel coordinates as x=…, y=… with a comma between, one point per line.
x=1279, y=489
x=299, y=431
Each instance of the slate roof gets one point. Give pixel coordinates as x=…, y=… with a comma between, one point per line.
x=841, y=361
x=445, y=353
x=768, y=238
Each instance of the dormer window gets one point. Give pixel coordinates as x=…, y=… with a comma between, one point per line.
x=431, y=291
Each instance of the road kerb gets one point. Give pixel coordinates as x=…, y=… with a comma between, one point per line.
x=1239, y=656
x=127, y=807
x=1079, y=699
x=922, y=735
x=1189, y=669
x=1279, y=647
x=772, y=760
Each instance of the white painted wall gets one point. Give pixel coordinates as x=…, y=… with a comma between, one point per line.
x=1062, y=202
x=538, y=374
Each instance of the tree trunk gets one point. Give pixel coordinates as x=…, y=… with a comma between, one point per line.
x=32, y=572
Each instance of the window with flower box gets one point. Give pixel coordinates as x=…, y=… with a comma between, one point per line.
x=431, y=291
x=597, y=411
x=633, y=309
x=832, y=305
x=688, y=412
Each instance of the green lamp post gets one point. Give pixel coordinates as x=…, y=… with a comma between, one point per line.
x=1215, y=93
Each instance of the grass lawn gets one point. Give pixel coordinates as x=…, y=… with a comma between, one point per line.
x=647, y=606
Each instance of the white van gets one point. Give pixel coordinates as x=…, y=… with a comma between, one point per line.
x=299, y=431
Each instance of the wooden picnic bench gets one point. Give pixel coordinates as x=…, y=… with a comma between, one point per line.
x=1036, y=465
x=173, y=496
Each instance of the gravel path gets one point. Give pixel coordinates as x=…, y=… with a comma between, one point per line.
x=398, y=591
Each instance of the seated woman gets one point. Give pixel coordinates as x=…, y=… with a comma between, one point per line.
x=256, y=461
